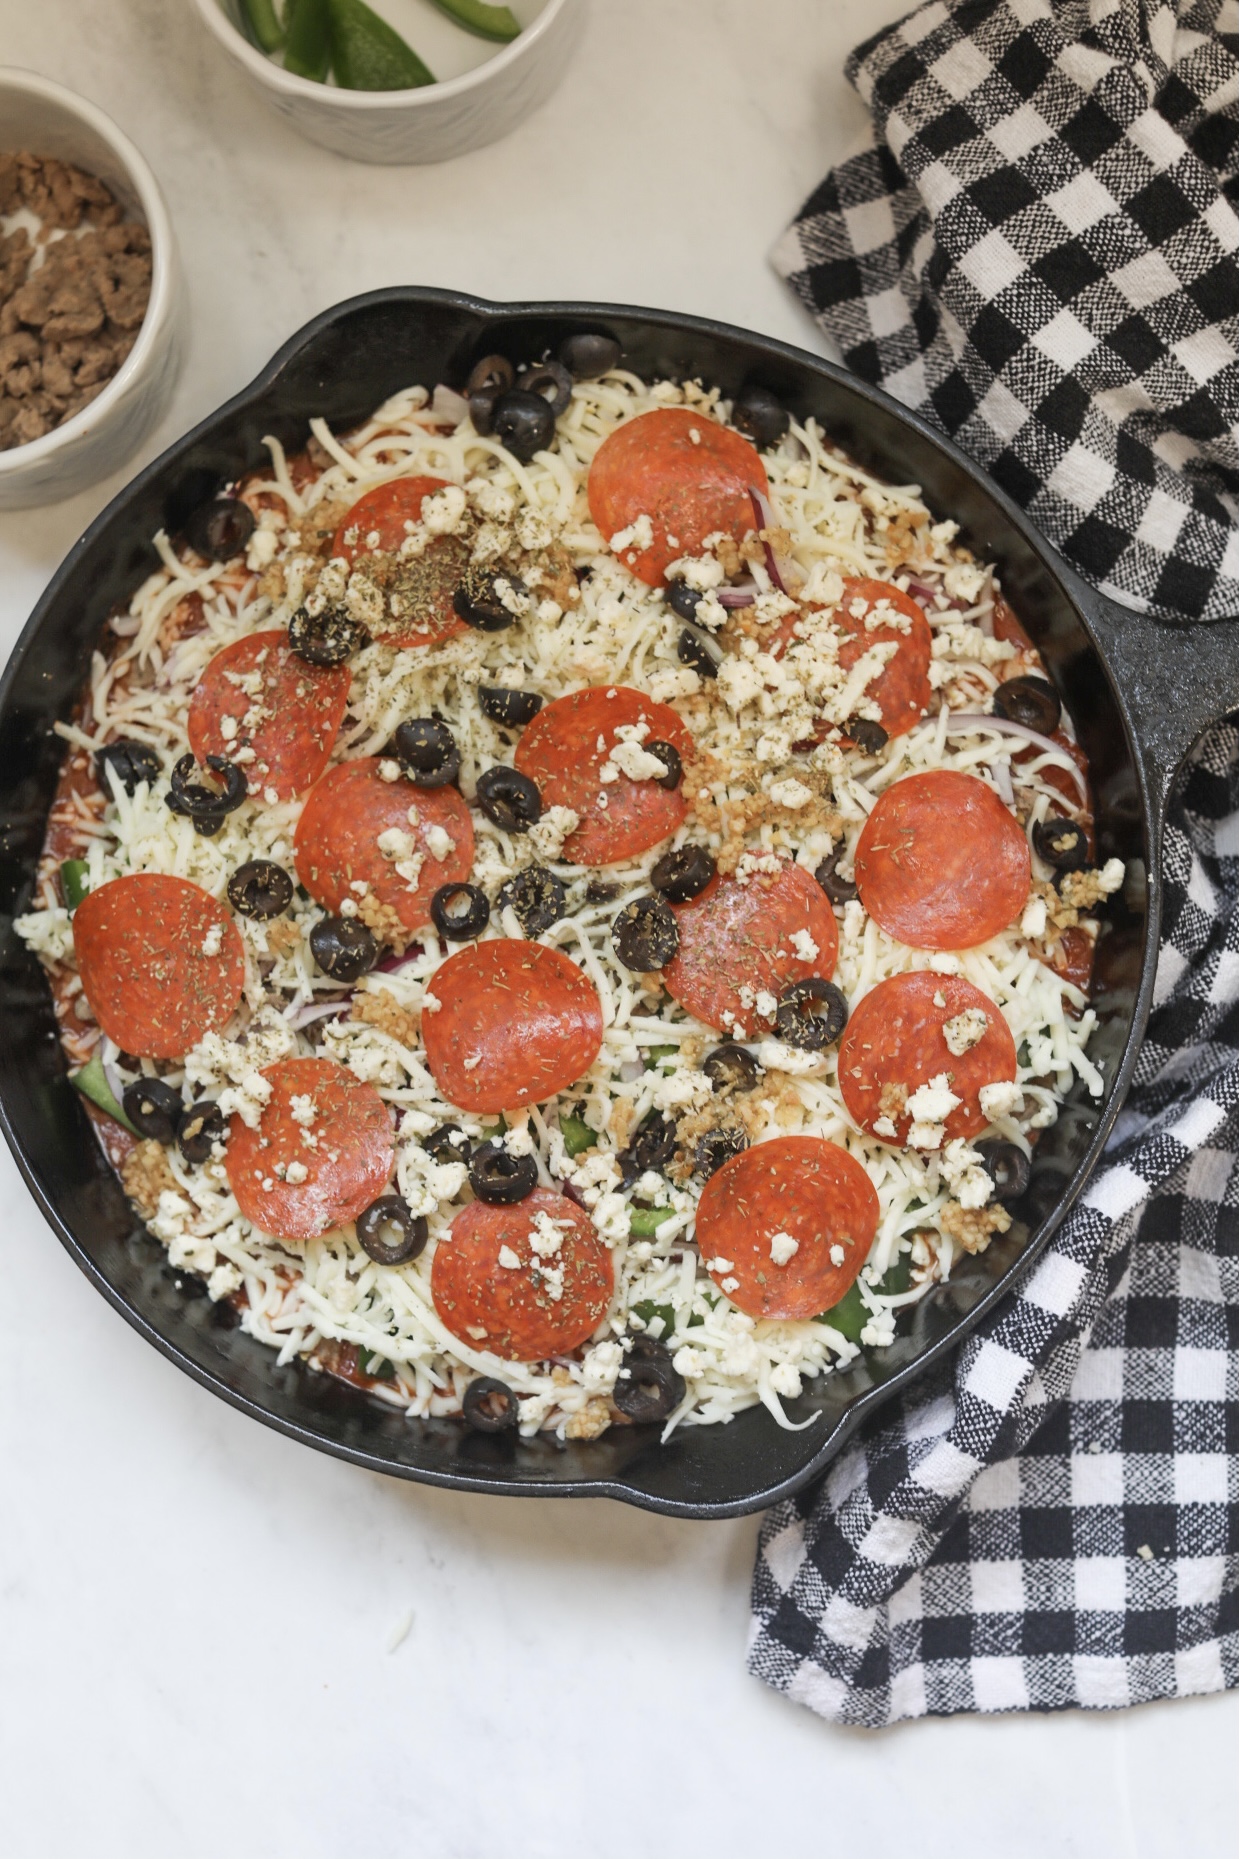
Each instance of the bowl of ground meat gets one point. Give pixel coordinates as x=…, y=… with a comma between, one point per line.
x=90, y=301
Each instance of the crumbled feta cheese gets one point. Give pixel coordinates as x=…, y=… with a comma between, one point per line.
x=837, y=1255
x=790, y=793
x=638, y=537
x=803, y=946
x=999, y=1100
x=785, y=1380
x=439, y=842
x=213, y=941
x=783, y=1248
x=933, y=1102
x=508, y=1259
x=1032, y=923
x=548, y=834
x=296, y=1172
x=965, y=1030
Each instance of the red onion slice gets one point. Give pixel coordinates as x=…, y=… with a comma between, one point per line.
x=964, y=723
x=784, y=572
x=448, y=408
x=305, y=1016
x=391, y=963
x=739, y=594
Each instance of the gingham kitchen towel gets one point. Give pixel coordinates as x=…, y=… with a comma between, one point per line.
x=1054, y=1520
x=1038, y=248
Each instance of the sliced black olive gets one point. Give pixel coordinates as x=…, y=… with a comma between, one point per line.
x=1007, y=1167
x=200, y=1128
x=717, y=1147
x=511, y=708
x=427, y=751
x=488, y=379
x=490, y=1406
x=205, y=806
x=683, y=874
x=586, y=355
x=653, y=1386
x=731, y=1067
x=326, y=638
x=130, y=761
x=759, y=415
x=220, y=529
x=491, y=372
x=343, y=948
x=1061, y=843
x=811, y=1014
x=669, y=756
x=260, y=889
x=683, y=599
x=650, y=1150
x=601, y=891
x=153, y=1108
x=538, y=897
x=510, y=799
x=645, y=934
x=459, y=911
x=448, y=1144
x=551, y=380
x=500, y=1178
x=696, y=649
x=838, y=889
x=478, y=603
x=870, y=738
x=391, y=1232
x=1031, y=701
x=522, y=422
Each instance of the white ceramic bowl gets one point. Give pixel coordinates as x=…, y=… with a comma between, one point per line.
x=49, y=120
x=431, y=124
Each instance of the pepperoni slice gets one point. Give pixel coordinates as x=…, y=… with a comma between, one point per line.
x=424, y=584
x=941, y=863
x=736, y=941
x=797, y=1188
x=298, y=1175
x=901, y=690
x=337, y=843
x=896, y=1041
x=286, y=711
x=516, y=1022
x=545, y=1303
x=161, y=962
x=564, y=750
x=689, y=487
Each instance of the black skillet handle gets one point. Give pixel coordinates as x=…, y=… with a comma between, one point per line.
x=1174, y=681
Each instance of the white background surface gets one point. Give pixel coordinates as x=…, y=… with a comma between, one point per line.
x=197, y=1615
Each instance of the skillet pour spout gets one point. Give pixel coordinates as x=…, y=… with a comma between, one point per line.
x=1138, y=690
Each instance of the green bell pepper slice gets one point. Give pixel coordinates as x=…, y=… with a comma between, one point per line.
x=262, y=25
x=307, y=40
x=73, y=885
x=368, y=54
x=487, y=22
x=92, y=1083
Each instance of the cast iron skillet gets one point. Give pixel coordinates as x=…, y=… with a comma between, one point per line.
x=1140, y=692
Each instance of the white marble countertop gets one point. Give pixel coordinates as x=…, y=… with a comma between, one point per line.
x=199, y=1620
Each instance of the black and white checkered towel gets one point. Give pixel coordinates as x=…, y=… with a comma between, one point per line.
x=1038, y=248
x=1042, y=256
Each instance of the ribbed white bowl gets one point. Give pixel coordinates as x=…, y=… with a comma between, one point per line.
x=431, y=124
x=41, y=116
